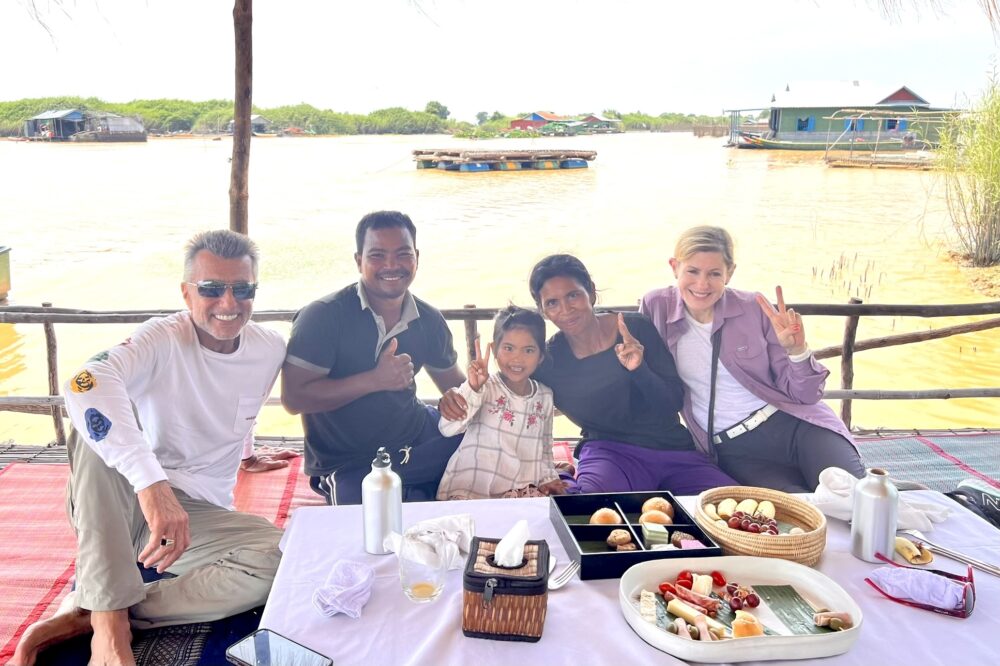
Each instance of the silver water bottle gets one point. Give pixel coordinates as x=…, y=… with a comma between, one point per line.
x=873, y=520
x=381, y=503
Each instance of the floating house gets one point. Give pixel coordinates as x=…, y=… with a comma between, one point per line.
x=76, y=125
x=844, y=115
x=537, y=120
x=598, y=124
x=258, y=125
x=57, y=125
x=563, y=128
x=552, y=125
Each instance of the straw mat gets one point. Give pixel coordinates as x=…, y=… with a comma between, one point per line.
x=37, y=546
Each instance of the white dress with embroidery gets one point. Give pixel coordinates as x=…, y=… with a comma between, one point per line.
x=507, y=444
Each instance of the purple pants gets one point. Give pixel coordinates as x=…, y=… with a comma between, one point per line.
x=614, y=467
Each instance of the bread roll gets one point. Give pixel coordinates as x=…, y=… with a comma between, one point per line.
x=605, y=517
x=656, y=516
x=658, y=504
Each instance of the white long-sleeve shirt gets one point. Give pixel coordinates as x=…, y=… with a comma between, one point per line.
x=507, y=443
x=196, y=407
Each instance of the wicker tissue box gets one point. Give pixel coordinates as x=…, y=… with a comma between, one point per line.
x=506, y=604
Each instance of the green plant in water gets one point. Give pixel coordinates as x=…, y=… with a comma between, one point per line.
x=970, y=156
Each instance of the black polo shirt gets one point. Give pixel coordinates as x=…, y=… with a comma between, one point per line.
x=338, y=335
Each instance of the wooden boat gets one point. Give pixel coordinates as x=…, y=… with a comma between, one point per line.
x=757, y=141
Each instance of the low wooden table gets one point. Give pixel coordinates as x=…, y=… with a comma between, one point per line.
x=585, y=623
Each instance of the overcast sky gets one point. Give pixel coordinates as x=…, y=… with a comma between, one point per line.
x=566, y=56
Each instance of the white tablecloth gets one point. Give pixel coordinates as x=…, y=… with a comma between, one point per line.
x=584, y=624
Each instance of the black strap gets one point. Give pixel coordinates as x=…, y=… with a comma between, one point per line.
x=716, y=347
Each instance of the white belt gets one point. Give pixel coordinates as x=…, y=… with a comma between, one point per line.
x=747, y=424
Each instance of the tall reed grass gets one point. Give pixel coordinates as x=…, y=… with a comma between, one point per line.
x=970, y=157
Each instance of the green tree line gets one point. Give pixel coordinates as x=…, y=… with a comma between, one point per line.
x=176, y=115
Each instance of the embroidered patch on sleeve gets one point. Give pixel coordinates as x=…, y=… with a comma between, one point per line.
x=98, y=424
x=99, y=356
x=83, y=382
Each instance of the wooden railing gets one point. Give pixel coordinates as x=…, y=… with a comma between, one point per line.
x=470, y=315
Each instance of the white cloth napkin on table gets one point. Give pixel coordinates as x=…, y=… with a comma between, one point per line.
x=346, y=590
x=834, y=496
x=447, y=538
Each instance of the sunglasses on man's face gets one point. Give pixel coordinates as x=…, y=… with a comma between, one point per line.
x=242, y=291
x=967, y=582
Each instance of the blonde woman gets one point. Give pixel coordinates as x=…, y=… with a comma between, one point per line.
x=769, y=427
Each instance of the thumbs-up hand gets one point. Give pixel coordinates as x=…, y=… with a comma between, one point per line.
x=629, y=350
x=393, y=373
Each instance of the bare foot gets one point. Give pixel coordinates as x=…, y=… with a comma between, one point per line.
x=68, y=622
x=112, y=642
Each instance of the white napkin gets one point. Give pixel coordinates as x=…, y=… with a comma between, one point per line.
x=834, y=496
x=447, y=538
x=510, y=550
x=346, y=590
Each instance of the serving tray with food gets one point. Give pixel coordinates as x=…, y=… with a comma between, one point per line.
x=609, y=532
x=738, y=608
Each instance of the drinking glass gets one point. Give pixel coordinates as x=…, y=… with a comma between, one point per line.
x=421, y=572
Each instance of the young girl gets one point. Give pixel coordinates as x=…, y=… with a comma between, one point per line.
x=507, y=449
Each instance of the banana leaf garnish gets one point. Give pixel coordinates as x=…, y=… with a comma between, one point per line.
x=795, y=612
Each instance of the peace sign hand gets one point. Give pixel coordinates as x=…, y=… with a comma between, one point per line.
x=629, y=350
x=479, y=368
x=787, y=323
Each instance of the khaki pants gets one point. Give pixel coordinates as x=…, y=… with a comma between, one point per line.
x=227, y=569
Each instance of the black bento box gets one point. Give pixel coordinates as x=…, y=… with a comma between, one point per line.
x=587, y=544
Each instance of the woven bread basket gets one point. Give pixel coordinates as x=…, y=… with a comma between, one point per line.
x=803, y=548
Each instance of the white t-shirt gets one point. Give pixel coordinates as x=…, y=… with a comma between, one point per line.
x=197, y=407
x=733, y=403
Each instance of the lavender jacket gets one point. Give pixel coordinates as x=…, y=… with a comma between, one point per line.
x=751, y=353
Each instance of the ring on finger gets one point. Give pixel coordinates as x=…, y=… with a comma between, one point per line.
x=167, y=542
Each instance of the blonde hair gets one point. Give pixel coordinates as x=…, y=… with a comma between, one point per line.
x=706, y=239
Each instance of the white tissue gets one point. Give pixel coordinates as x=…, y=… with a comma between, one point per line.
x=834, y=496
x=447, y=538
x=510, y=550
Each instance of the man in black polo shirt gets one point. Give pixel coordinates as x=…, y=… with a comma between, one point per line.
x=350, y=366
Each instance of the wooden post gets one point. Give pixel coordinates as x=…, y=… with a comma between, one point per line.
x=239, y=194
x=470, y=335
x=50, y=348
x=847, y=363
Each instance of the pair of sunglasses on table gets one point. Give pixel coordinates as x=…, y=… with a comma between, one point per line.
x=929, y=589
x=242, y=291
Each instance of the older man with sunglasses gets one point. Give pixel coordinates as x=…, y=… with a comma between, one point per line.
x=161, y=423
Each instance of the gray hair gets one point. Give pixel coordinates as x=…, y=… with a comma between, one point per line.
x=222, y=243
